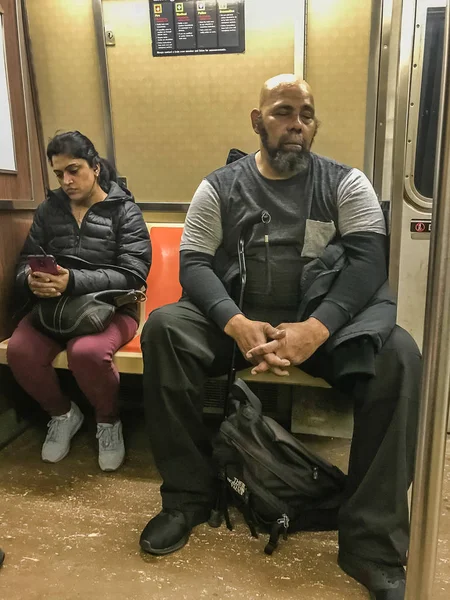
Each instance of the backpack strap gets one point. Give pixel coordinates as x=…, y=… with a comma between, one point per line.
x=250, y=520
x=278, y=528
x=220, y=509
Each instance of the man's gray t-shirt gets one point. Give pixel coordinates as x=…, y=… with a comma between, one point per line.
x=303, y=222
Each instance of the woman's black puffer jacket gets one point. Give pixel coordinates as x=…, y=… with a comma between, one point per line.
x=113, y=232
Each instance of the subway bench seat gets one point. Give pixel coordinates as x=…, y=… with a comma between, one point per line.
x=164, y=288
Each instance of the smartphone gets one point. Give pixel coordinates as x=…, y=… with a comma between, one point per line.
x=43, y=263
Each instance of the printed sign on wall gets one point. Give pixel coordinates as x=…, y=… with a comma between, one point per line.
x=197, y=27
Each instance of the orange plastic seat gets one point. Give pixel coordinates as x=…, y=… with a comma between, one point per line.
x=163, y=280
x=133, y=346
x=163, y=285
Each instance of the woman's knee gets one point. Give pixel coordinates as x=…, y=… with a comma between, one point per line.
x=84, y=353
x=18, y=351
x=23, y=351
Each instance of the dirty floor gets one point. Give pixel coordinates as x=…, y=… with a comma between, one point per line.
x=71, y=532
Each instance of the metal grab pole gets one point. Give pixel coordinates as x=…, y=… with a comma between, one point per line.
x=427, y=490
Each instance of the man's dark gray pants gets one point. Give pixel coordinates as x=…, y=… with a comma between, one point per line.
x=182, y=348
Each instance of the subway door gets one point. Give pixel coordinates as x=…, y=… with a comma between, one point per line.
x=413, y=147
x=420, y=155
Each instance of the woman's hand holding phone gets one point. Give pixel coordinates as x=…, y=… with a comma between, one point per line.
x=46, y=285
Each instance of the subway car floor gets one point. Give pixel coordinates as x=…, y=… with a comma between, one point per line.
x=70, y=531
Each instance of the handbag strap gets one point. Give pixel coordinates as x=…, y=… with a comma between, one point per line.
x=92, y=266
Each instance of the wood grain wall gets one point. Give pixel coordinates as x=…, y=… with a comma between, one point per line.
x=11, y=186
x=25, y=188
x=14, y=227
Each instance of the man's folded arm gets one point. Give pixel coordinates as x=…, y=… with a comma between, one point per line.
x=363, y=234
x=363, y=275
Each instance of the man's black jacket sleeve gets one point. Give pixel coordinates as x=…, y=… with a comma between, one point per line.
x=363, y=275
x=204, y=288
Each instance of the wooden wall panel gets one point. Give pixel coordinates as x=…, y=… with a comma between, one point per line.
x=26, y=187
x=14, y=227
x=15, y=186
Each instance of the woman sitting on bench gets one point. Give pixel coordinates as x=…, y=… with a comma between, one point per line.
x=93, y=218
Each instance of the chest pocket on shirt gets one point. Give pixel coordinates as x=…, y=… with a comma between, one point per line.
x=318, y=234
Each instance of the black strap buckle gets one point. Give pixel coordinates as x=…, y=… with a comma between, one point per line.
x=130, y=298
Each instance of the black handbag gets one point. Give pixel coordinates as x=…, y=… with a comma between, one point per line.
x=66, y=317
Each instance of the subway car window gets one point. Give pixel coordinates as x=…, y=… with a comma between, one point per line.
x=429, y=101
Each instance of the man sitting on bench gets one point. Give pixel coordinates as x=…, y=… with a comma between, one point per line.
x=316, y=296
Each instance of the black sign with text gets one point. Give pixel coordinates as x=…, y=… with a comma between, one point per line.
x=163, y=31
x=197, y=27
x=207, y=30
x=228, y=24
x=185, y=29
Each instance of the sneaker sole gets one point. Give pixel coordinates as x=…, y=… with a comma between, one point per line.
x=146, y=547
x=108, y=470
x=68, y=449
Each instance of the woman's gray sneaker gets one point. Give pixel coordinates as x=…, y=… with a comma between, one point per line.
x=60, y=431
x=111, y=449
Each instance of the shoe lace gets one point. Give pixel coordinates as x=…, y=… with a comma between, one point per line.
x=54, y=428
x=107, y=436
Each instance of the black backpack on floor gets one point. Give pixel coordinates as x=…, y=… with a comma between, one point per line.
x=271, y=477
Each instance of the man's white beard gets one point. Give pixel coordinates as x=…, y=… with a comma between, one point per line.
x=291, y=162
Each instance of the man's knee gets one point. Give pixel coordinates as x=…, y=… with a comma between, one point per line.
x=403, y=347
x=399, y=366
x=159, y=324
x=179, y=334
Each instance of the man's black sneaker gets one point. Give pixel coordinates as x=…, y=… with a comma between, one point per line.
x=384, y=582
x=169, y=530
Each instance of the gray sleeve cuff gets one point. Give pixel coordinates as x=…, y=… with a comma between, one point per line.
x=331, y=315
x=222, y=312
